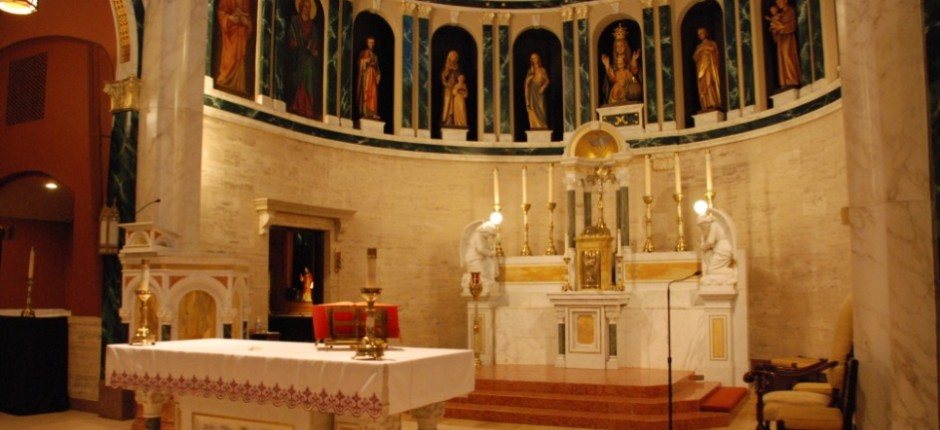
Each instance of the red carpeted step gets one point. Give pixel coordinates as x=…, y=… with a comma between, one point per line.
x=724, y=399
x=581, y=402
x=555, y=417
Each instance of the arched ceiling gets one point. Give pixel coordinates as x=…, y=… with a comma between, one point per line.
x=28, y=198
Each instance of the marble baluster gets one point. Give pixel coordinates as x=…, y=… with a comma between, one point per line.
x=666, y=66
x=568, y=69
x=584, y=66
x=151, y=406
x=731, y=56
x=332, y=60
x=650, y=68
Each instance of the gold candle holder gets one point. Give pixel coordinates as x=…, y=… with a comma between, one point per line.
x=710, y=197
x=620, y=286
x=567, y=285
x=28, y=310
x=370, y=348
x=475, y=289
x=499, y=240
x=526, y=251
x=550, y=250
x=143, y=336
x=680, y=243
x=648, y=245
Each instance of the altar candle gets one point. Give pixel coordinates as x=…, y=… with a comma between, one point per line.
x=145, y=277
x=525, y=186
x=551, y=186
x=649, y=169
x=678, y=174
x=619, y=247
x=372, y=255
x=32, y=261
x=495, y=186
x=708, y=170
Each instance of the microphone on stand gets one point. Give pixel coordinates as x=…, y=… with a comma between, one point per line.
x=669, y=336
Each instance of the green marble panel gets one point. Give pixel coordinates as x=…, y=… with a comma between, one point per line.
x=488, y=65
x=584, y=71
x=588, y=205
x=622, y=119
x=346, y=70
x=623, y=214
x=332, y=59
x=819, y=60
x=667, y=69
x=424, y=74
x=747, y=51
x=210, y=30
x=407, y=69
x=568, y=74
x=504, y=76
x=266, y=53
x=649, y=66
x=803, y=39
x=139, y=18
x=731, y=56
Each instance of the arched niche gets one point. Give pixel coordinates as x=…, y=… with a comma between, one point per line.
x=299, y=56
x=546, y=45
x=369, y=25
x=605, y=46
x=785, y=19
x=707, y=15
x=446, y=39
x=233, y=46
x=198, y=316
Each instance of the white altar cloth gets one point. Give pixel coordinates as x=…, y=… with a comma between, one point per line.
x=295, y=375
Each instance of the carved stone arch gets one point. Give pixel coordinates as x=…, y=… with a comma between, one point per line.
x=128, y=32
x=198, y=284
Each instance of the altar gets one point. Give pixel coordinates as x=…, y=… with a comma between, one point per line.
x=281, y=385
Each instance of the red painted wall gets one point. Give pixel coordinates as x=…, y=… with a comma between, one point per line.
x=51, y=277
x=87, y=20
x=69, y=144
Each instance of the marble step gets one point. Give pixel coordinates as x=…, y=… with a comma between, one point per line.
x=686, y=399
x=599, y=420
x=596, y=389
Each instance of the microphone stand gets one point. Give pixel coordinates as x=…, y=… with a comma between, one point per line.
x=669, y=336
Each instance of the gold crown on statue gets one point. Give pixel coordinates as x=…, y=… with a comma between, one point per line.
x=620, y=32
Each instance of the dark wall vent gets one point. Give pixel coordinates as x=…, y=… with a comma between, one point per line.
x=26, y=90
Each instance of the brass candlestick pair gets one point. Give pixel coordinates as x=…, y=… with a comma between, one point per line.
x=680, y=243
x=370, y=348
x=475, y=289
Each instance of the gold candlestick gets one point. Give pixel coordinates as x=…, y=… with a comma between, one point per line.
x=475, y=289
x=499, y=240
x=28, y=310
x=620, y=273
x=144, y=336
x=526, y=251
x=567, y=285
x=680, y=243
x=710, y=197
x=648, y=245
x=550, y=250
x=370, y=348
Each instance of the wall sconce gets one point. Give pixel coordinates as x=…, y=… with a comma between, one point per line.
x=337, y=262
x=19, y=7
x=108, y=230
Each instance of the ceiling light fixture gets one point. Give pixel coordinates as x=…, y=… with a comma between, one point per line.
x=19, y=7
x=52, y=185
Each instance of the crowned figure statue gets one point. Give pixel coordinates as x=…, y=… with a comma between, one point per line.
x=623, y=83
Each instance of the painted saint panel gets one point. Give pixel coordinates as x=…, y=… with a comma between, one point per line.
x=301, y=56
x=233, y=54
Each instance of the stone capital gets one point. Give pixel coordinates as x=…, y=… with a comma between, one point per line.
x=424, y=11
x=567, y=13
x=504, y=18
x=408, y=8
x=581, y=12
x=489, y=17
x=125, y=94
x=646, y=4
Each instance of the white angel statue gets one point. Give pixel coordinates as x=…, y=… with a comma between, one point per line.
x=478, y=254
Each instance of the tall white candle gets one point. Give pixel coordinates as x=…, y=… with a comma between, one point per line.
x=618, y=244
x=708, y=170
x=145, y=277
x=32, y=261
x=525, y=186
x=551, y=182
x=678, y=174
x=649, y=169
x=372, y=255
x=496, y=186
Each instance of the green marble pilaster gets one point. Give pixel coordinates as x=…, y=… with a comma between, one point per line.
x=266, y=53
x=932, y=41
x=504, y=100
x=568, y=74
x=747, y=51
x=424, y=74
x=209, y=39
x=731, y=56
x=588, y=206
x=572, y=217
x=649, y=66
x=584, y=71
x=803, y=39
x=488, y=65
x=623, y=214
x=819, y=59
x=346, y=69
x=407, y=69
x=332, y=59
x=666, y=68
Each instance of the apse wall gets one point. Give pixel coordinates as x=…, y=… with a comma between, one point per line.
x=784, y=185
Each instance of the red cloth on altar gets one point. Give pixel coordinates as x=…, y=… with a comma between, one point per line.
x=337, y=321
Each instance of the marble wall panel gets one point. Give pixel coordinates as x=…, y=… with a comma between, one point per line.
x=333, y=59
x=488, y=66
x=568, y=74
x=747, y=51
x=346, y=68
x=266, y=53
x=816, y=30
x=407, y=69
x=505, y=124
x=731, y=56
x=209, y=33
x=804, y=41
x=424, y=74
x=84, y=362
x=667, y=69
x=525, y=335
x=650, y=66
x=584, y=71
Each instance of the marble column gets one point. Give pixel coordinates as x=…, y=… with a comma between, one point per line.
x=588, y=204
x=803, y=38
x=650, y=67
x=893, y=260
x=151, y=406
x=747, y=55
x=666, y=67
x=567, y=71
x=732, y=94
x=266, y=36
x=170, y=150
x=346, y=64
x=623, y=204
x=584, y=66
x=424, y=71
x=407, y=68
x=505, y=118
x=489, y=90
x=571, y=188
x=332, y=62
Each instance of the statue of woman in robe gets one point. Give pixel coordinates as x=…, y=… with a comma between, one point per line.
x=706, y=68
x=369, y=77
x=235, y=23
x=536, y=81
x=783, y=28
x=454, y=112
x=304, y=45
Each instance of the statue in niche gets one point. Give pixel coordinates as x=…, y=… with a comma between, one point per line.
x=717, y=248
x=304, y=44
x=782, y=20
x=454, y=113
x=235, y=23
x=536, y=81
x=623, y=78
x=706, y=68
x=478, y=254
x=306, y=279
x=369, y=77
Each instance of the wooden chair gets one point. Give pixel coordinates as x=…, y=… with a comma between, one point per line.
x=836, y=417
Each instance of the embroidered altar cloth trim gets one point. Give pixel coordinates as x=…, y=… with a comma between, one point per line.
x=294, y=374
